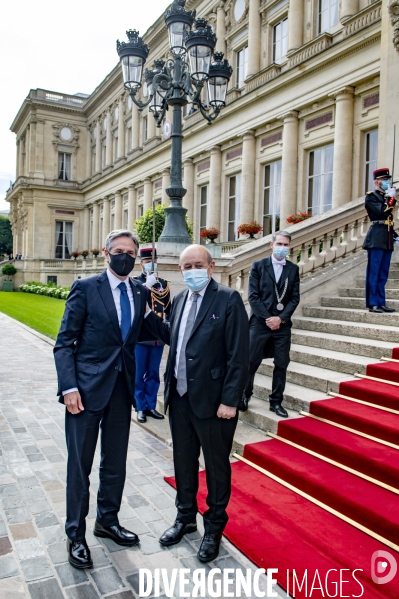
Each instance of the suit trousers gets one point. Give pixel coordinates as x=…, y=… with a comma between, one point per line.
x=148, y=360
x=376, y=276
x=259, y=336
x=81, y=431
x=215, y=436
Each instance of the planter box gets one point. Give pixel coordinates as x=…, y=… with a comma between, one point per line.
x=8, y=286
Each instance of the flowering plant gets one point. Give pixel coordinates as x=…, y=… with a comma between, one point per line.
x=209, y=233
x=74, y=255
x=95, y=252
x=298, y=218
x=251, y=228
x=85, y=253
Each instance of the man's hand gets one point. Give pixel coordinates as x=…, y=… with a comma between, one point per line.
x=226, y=412
x=73, y=402
x=273, y=322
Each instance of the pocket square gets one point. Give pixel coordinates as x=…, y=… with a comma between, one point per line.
x=213, y=317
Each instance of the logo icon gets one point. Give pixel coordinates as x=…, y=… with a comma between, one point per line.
x=383, y=567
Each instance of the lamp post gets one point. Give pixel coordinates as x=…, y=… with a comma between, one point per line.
x=173, y=84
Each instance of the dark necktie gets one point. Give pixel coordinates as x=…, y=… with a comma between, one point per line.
x=126, y=311
x=182, y=367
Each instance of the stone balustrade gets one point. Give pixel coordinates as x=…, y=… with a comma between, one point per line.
x=310, y=49
x=262, y=77
x=364, y=18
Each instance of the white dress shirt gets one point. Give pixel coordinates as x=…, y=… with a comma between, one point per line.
x=116, y=293
x=183, y=321
x=278, y=266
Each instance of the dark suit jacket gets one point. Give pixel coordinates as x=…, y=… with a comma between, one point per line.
x=216, y=353
x=89, y=346
x=262, y=294
x=378, y=237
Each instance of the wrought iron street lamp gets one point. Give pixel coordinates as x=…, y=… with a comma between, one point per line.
x=173, y=84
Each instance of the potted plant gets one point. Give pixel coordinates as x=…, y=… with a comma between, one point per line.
x=9, y=270
x=210, y=233
x=85, y=253
x=298, y=217
x=95, y=252
x=74, y=255
x=250, y=229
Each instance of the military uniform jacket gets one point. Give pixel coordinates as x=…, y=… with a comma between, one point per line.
x=158, y=298
x=379, y=237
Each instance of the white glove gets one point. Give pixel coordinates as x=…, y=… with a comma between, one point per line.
x=397, y=241
x=151, y=280
x=391, y=192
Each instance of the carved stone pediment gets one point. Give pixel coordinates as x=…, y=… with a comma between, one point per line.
x=66, y=135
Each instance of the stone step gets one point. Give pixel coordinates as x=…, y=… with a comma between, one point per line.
x=392, y=294
x=391, y=284
x=353, y=316
x=353, y=303
x=259, y=415
x=312, y=377
x=370, y=348
x=352, y=329
x=337, y=361
x=295, y=396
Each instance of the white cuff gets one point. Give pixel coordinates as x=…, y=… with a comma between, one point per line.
x=147, y=313
x=70, y=390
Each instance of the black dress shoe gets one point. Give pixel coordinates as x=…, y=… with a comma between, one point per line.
x=175, y=533
x=79, y=554
x=154, y=414
x=386, y=309
x=279, y=410
x=117, y=534
x=209, y=549
x=376, y=310
x=141, y=417
x=243, y=405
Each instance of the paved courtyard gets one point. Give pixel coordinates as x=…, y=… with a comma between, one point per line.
x=32, y=492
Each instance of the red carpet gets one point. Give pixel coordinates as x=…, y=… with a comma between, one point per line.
x=277, y=528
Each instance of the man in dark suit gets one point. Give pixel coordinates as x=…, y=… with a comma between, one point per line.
x=204, y=380
x=273, y=296
x=94, y=357
x=380, y=239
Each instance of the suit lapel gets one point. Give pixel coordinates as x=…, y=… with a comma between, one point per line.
x=206, y=303
x=284, y=275
x=105, y=292
x=269, y=268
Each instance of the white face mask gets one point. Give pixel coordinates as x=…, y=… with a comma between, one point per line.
x=148, y=268
x=196, y=278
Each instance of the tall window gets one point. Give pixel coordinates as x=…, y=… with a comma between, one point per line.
x=242, y=66
x=271, y=197
x=328, y=15
x=63, y=239
x=371, y=150
x=64, y=166
x=203, y=208
x=233, y=202
x=145, y=128
x=280, y=36
x=321, y=163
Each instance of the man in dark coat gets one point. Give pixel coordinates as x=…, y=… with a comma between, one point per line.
x=380, y=239
x=94, y=357
x=273, y=297
x=204, y=380
x=149, y=349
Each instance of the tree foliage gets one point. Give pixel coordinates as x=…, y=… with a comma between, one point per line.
x=5, y=236
x=9, y=270
x=143, y=226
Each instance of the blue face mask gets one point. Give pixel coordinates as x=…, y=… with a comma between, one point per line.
x=148, y=267
x=196, y=278
x=280, y=251
x=385, y=185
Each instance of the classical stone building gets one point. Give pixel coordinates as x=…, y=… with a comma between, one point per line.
x=310, y=112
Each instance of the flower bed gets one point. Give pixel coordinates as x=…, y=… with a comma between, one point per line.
x=48, y=289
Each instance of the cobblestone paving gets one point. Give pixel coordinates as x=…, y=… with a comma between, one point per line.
x=32, y=492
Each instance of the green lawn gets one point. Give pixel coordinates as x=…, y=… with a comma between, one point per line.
x=36, y=311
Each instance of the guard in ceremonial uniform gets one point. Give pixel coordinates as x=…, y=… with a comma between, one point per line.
x=380, y=239
x=149, y=350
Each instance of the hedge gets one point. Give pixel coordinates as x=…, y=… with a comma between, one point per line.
x=48, y=289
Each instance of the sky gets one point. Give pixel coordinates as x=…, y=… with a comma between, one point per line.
x=68, y=47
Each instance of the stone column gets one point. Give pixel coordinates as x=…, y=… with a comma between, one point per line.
x=289, y=167
x=254, y=33
x=98, y=148
x=39, y=174
x=88, y=154
x=248, y=178
x=96, y=220
x=165, y=185
x=348, y=9
x=343, y=152
x=108, y=139
x=147, y=203
x=131, y=207
x=118, y=224
x=295, y=24
x=32, y=149
x=221, y=28
x=86, y=227
x=215, y=183
x=151, y=130
x=121, y=129
x=135, y=127
x=188, y=200
x=106, y=219
x=19, y=157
